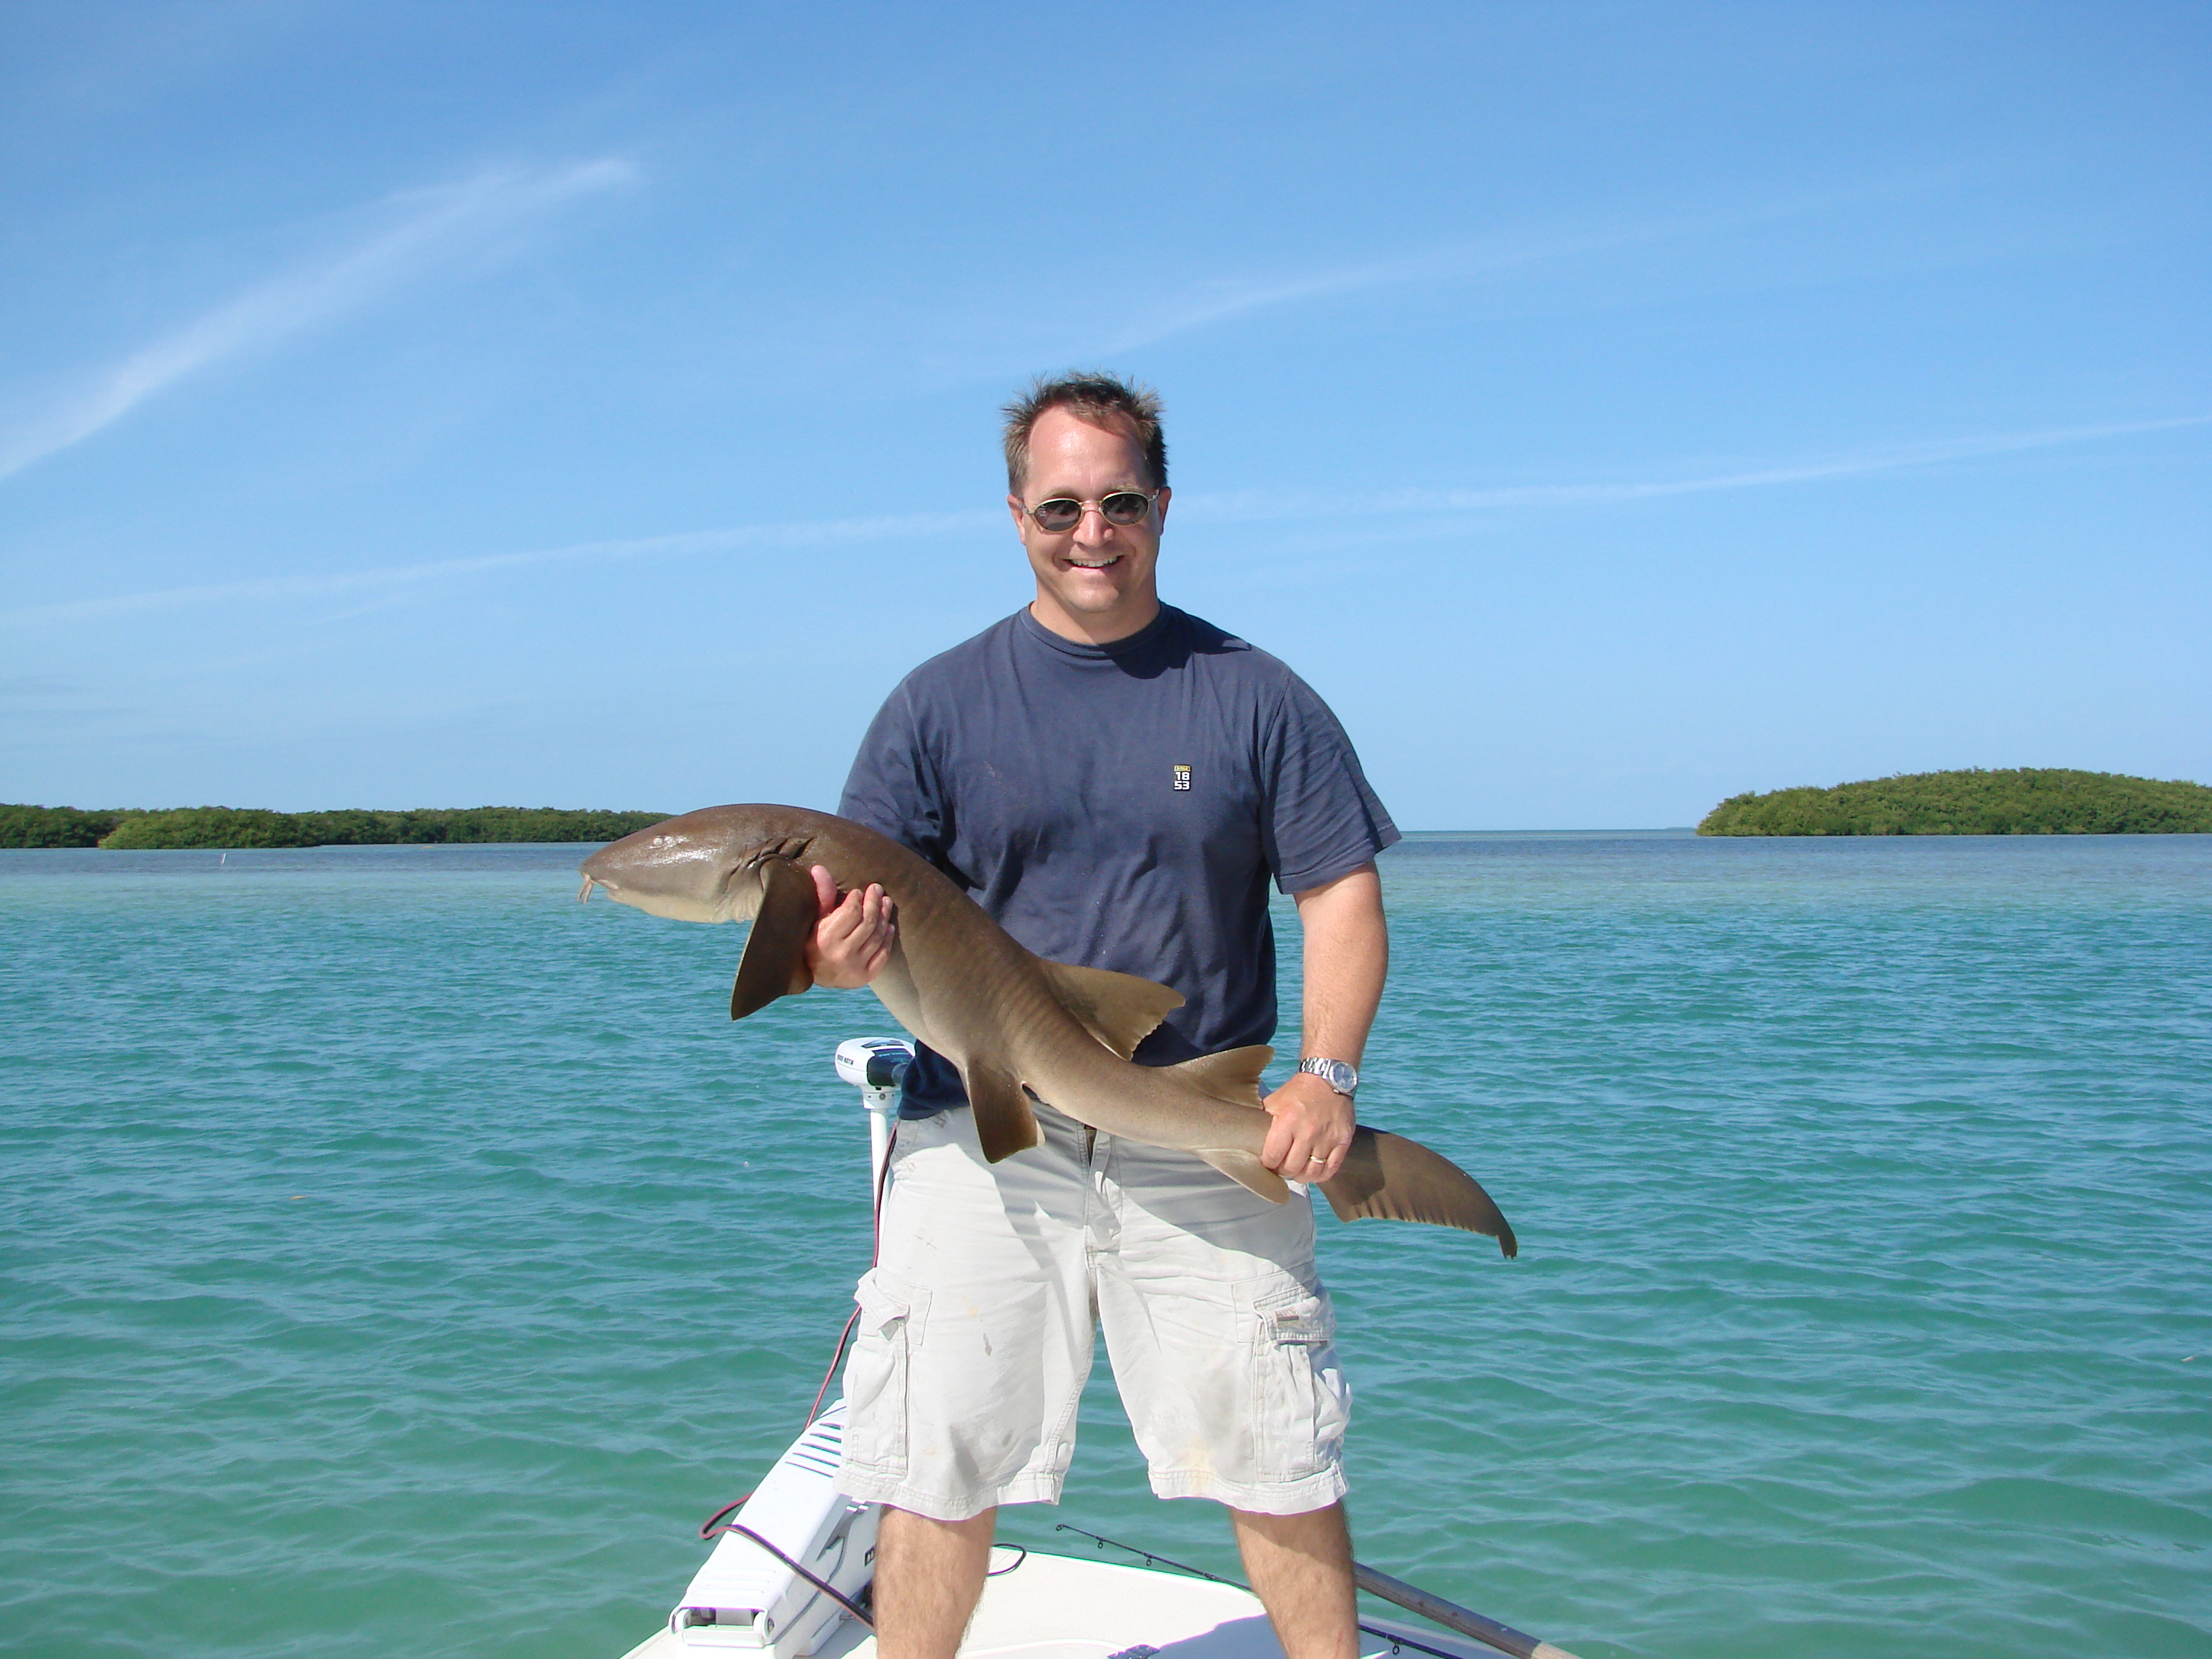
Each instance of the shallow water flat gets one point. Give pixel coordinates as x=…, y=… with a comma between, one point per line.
x=401, y=1259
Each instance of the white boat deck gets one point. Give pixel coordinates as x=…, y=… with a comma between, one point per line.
x=1059, y=1606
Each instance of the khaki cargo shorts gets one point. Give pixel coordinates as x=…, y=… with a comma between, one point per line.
x=975, y=1338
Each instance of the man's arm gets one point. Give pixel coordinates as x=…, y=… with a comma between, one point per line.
x=1347, y=955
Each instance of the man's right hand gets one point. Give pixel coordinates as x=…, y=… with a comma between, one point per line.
x=853, y=939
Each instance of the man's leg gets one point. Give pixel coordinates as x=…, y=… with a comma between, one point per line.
x=929, y=1575
x=1300, y=1566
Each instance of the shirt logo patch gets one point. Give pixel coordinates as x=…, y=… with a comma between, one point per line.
x=1182, y=777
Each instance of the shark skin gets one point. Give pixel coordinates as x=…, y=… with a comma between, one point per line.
x=1013, y=1022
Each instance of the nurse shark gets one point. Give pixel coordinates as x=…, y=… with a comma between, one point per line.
x=1016, y=1024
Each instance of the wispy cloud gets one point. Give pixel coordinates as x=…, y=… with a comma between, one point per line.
x=1252, y=505
x=1221, y=299
x=431, y=227
x=382, y=583
x=1497, y=254
x=387, y=579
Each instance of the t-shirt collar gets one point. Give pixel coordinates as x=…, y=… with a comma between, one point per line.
x=1026, y=620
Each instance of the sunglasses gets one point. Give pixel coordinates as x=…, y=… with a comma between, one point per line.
x=1063, y=513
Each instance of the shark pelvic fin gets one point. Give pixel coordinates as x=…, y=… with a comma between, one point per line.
x=1388, y=1177
x=1246, y=1167
x=775, y=962
x=1232, y=1075
x=1120, y=1010
x=1004, y=1123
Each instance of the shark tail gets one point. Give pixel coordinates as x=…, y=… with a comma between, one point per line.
x=1388, y=1177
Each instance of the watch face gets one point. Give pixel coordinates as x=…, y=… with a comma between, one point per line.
x=1334, y=1072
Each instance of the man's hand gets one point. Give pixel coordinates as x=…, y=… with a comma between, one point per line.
x=853, y=939
x=1312, y=1128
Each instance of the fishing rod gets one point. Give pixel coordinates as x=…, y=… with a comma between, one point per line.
x=1434, y=1609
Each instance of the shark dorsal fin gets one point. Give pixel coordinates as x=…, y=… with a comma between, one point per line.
x=1120, y=1010
x=775, y=962
x=1232, y=1075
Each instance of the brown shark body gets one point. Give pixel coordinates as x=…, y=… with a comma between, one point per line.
x=1009, y=1020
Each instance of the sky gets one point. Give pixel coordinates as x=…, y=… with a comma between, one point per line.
x=1608, y=408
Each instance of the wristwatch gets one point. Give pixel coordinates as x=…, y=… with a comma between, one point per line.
x=1334, y=1072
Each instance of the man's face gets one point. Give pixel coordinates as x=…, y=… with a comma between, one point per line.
x=1095, y=582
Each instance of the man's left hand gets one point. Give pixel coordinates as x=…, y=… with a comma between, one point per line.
x=1312, y=1128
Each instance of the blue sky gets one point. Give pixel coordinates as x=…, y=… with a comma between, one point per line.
x=1608, y=408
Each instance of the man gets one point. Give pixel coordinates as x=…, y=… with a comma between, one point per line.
x=1117, y=782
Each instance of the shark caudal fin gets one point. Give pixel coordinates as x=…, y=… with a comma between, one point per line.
x=1390, y=1178
x=775, y=962
x=1120, y=1010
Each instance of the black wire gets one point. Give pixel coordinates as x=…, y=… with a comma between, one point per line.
x=707, y=1530
x=826, y=1588
x=1021, y=1554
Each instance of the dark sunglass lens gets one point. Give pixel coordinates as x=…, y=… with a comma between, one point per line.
x=1059, y=513
x=1124, y=506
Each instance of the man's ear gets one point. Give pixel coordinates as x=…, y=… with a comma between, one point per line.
x=1161, y=505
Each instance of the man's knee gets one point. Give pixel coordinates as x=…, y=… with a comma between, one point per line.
x=904, y=1536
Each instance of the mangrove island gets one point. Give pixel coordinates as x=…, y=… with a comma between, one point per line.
x=2024, y=800
x=233, y=826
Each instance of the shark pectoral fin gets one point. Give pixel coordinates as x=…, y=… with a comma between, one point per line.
x=1120, y=1010
x=1232, y=1075
x=1246, y=1167
x=1004, y=1123
x=775, y=962
x=1390, y=1178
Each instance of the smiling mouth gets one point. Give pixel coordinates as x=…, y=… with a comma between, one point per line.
x=1094, y=564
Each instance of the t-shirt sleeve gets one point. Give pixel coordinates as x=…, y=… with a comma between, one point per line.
x=892, y=786
x=1319, y=818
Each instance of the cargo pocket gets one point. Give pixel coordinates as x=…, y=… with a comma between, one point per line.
x=1302, y=1401
x=876, y=1377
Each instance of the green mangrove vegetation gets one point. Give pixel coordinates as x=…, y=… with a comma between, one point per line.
x=2025, y=801
x=251, y=826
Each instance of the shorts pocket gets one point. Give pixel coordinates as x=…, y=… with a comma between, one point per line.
x=1297, y=1389
x=877, y=1376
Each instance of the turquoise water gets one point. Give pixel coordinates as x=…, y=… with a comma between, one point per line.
x=399, y=1259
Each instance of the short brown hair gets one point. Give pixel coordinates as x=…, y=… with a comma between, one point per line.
x=1095, y=397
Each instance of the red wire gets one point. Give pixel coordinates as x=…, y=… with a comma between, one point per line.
x=845, y=1336
x=875, y=1254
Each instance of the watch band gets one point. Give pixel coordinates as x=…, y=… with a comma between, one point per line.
x=1338, y=1075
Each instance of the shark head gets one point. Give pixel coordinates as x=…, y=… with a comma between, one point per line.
x=708, y=865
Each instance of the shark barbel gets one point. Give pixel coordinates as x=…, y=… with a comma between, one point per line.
x=1009, y=1020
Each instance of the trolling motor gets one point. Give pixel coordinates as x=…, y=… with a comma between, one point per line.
x=797, y=1557
x=875, y=1067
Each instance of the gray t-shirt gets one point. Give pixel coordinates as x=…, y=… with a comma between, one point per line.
x=1122, y=806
